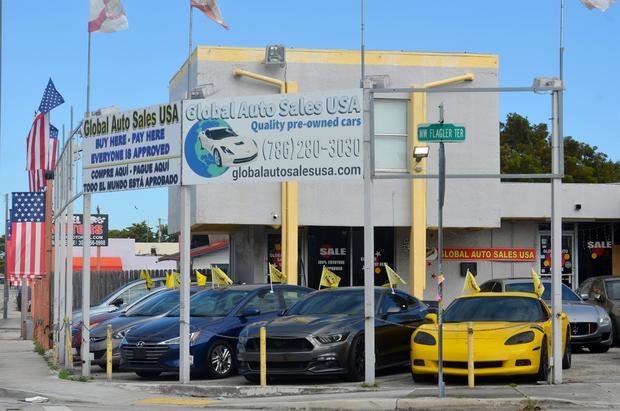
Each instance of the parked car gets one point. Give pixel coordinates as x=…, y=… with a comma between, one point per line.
x=217, y=316
x=157, y=305
x=590, y=325
x=323, y=334
x=97, y=319
x=512, y=336
x=121, y=297
x=604, y=291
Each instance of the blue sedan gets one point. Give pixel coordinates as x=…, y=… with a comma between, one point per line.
x=217, y=316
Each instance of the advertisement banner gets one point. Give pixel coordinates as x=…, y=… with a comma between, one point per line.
x=491, y=254
x=132, y=150
x=275, y=137
x=98, y=230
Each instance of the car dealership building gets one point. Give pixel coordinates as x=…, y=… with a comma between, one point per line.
x=495, y=229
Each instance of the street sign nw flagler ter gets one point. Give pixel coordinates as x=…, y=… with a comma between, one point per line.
x=438, y=132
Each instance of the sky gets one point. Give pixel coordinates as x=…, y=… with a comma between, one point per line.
x=131, y=69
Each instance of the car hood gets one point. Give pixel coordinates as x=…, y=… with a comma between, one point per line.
x=164, y=328
x=582, y=312
x=303, y=325
x=499, y=331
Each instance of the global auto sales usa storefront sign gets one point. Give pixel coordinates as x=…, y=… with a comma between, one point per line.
x=273, y=138
x=491, y=254
x=133, y=149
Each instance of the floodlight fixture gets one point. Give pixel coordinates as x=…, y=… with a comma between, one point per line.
x=420, y=152
x=275, y=55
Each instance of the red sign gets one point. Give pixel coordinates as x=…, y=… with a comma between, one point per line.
x=492, y=254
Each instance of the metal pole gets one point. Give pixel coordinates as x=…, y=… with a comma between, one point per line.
x=62, y=252
x=362, y=50
x=189, y=52
x=442, y=190
x=556, y=247
x=561, y=92
x=5, y=303
x=85, y=347
x=69, y=280
x=369, y=245
x=184, y=361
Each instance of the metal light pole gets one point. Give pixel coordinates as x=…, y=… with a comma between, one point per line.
x=556, y=244
x=440, y=202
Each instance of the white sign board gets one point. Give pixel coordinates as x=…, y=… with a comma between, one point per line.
x=133, y=149
x=275, y=137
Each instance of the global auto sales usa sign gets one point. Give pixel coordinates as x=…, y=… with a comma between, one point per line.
x=275, y=137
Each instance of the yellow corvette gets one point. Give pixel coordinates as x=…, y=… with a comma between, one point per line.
x=512, y=336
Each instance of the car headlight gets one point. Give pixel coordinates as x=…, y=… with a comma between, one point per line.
x=120, y=334
x=521, y=338
x=176, y=341
x=424, y=338
x=332, y=338
x=226, y=150
x=243, y=339
x=604, y=319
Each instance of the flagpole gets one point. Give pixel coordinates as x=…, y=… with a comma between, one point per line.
x=362, y=50
x=189, y=51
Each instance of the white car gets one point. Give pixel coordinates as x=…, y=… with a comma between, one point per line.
x=227, y=148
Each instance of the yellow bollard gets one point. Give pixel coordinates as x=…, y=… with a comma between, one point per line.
x=68, y=350
x=108, y=353
x=55, y=344
x=470, y=354
x=263, y=356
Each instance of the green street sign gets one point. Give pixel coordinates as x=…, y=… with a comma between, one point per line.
x=436, y=132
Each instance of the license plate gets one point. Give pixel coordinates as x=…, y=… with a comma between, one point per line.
x=139, y=353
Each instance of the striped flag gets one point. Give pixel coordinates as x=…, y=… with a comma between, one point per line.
x=601, y=5
x=107, y=16
x=26, y=254
x=211, y=10
x=37, y=142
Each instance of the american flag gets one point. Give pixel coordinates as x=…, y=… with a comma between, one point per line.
x=211, y=10
x=40, y=151
x=26, y=250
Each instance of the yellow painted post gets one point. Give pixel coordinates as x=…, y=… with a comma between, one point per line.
x=470, y=354
x=417, y=235
x=55, y=344
x=108, y=353
x=68, y=350
x=263, y=356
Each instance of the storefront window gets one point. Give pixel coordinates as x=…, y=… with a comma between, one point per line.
x=391, y=131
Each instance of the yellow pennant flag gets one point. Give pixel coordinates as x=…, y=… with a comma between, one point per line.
x=201, y=279
x=220, y=277
x=329, y=279
x=276, y=275
x=539, y=288
x=470, y=286
x=169, y=280
x=176, y=279
x=145, y=275
x=393, y=278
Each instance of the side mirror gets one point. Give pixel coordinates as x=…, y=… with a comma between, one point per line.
x=250, y=312
x=117, y=302
x=584, y=296
x=432, y=317
x=599, y=298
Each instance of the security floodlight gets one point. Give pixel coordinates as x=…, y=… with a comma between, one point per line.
x=542, y=83
x=420, y=152
x=275, y=55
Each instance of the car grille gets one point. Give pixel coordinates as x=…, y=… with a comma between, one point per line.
x=148, y=354
x=583, y=328
x=477, y=364
x=280, y=366
x=281, y=344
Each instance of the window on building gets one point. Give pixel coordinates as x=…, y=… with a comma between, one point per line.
x=391, y=132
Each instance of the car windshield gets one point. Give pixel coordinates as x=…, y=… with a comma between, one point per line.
x=158, y=304
x=221, y=133
x=350, y=302
x=528, y=287
x=613, y=289
x=510, y=309
x=212, y=303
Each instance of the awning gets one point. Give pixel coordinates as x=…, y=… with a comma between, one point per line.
x=107, y=263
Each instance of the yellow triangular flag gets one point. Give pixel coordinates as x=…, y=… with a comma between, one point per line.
x=470, y=286
x=169, y=280
x=220, y=277
x=329, y=279
x=277, y=276
x=539, y=288
x=145, y=275
x=201, y=279
x=177, y=279
x=393, y=278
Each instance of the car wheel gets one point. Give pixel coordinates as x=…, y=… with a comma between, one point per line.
x=217, y=157
x=356, y=364
x=543, y=366
x=220, y=360
x=148, y=374
x=567, y=358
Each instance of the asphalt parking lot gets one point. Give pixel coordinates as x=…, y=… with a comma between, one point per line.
x=586, y=367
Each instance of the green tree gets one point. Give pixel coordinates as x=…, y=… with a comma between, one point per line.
x=525, y=148
x=141, y=232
